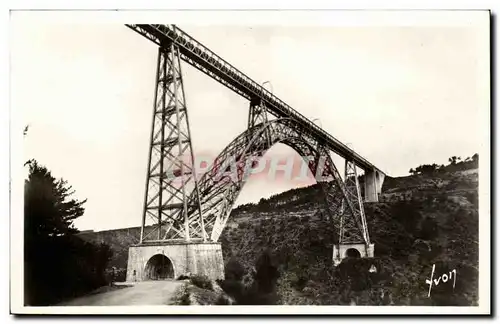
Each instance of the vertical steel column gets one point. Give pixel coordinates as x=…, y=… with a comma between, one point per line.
x=258, y=115
x=162, y=105
x=196, y=187
x=175, y=97
x=144, y=212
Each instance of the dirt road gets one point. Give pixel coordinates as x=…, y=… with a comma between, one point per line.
x=140, y=293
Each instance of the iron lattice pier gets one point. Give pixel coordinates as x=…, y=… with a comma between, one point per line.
x=170, y=178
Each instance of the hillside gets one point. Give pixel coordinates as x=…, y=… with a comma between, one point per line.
x=423, y=219
x=119, y=241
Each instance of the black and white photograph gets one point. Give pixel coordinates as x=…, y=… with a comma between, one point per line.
x=258, y=162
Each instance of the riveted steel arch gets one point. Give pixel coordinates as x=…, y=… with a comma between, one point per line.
x=220, y=187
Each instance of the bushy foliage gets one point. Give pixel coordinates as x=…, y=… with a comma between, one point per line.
x=190, y=293
x=456, y=164
x=202, y=282
x=427, y=169
x=181, y=296
x=57, y=264
x=119, y=241
x=234, y=270
x=257, y=286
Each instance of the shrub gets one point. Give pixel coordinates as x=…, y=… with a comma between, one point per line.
x=202, y=282
x=267, y=272
x=233, y=288
x=222, y=300
x=234, y=270
x=429, y=229
x=181, y=296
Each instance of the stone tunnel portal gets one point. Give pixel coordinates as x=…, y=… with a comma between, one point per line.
x=352, y=253
x=159, y=267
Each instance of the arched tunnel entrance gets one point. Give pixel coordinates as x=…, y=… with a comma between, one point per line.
x=352, y=253
x=159, y=267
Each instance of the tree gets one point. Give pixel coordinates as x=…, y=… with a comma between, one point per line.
x=426, y=169
x=453, y=160
x=234, y=270
x=57, y=263
x=48, y=208
x=266, y=272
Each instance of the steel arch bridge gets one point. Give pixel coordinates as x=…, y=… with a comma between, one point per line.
x=181, y=209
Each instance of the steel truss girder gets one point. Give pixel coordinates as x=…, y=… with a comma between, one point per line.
x=165, y=214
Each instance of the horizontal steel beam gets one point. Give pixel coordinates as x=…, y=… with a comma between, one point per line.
x=199, y=56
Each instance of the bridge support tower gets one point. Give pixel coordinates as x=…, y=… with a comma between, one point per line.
x=354, y=239
x=172, y=244
x=373, y=185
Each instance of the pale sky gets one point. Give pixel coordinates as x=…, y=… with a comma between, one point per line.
x=399, y=96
